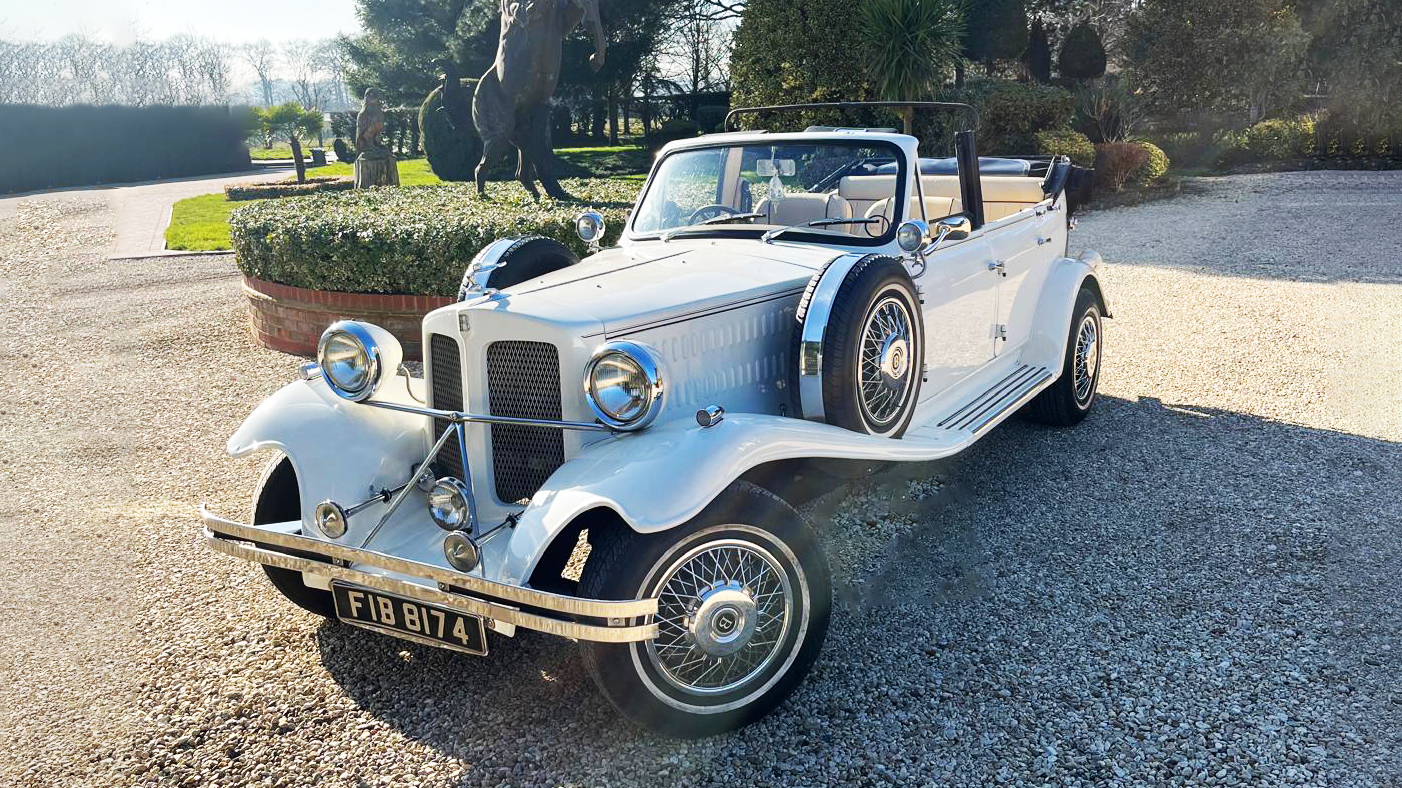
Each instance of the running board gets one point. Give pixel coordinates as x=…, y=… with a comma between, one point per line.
x=1003, y=397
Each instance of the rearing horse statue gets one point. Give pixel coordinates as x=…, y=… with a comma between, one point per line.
x=511, y=106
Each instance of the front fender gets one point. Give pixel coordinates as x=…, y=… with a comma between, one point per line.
x=661, y=477
x=341, y=450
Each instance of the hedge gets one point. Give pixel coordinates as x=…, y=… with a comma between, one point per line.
x=1010, y=116
x=81, y=145
x=258, y=191
x=407, y=241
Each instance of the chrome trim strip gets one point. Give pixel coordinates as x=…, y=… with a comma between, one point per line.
x=815, y=324
x=988, y=405
x=220, y=530
x=476, y=418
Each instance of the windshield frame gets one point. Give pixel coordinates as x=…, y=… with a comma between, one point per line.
x=755, y=231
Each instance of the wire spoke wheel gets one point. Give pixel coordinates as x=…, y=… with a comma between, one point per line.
x=1086, y=365
x=885, y=375
x=724, y=609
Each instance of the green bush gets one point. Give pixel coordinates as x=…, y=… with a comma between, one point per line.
x=1082, y=54
x=412, y=241
x=1064, y=142
x=1280, y=138
x=80, y=145
x=1010, y=116
x=452, y=153
x=258, y=191
x=1155, y=166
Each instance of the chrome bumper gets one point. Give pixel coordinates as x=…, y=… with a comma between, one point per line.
x=565, y=616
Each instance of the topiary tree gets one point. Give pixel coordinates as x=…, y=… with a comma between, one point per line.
x=993, y=30
x=1038, y=56
x=911, y=46
x=452, y=153
x=1082, y=54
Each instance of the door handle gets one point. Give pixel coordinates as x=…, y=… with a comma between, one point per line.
x=1000, y=266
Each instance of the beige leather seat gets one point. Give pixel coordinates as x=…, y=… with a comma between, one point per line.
x=802, y=208
x=1003, y=195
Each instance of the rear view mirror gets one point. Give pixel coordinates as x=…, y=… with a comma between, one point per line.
x=767, y=168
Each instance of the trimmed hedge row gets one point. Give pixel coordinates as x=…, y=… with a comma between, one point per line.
x=258, y=191
x=408, y=241
x=47, y=147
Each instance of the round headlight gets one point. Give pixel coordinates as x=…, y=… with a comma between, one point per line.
x=911, y=235
x=448, y=504
x=623, y=386
x=590, y=227
x=353, y=356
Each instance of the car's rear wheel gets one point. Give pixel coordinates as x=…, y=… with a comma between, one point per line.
x=873, y=348
x=743, y=601
x=1069, y=400
x=277, y=500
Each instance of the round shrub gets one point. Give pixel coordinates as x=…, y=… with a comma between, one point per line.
x=1117, y=162
x=1065, y=142
x=1010, y=115
x=1155, y=167
x=1082, y=54
x=1280, y=138
x=452, y=153
x=408, y=241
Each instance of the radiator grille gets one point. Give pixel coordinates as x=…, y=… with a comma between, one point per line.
x=445, y=393
x=523, y=381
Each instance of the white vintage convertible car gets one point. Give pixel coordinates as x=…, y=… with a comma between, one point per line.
x=779, y=305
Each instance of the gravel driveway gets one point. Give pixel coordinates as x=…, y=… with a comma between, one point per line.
x=1198, y=585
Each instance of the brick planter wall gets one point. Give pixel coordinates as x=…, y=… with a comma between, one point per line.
x=291, y=319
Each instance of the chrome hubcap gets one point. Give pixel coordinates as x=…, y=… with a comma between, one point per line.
x=722, y=612
x=1087, y=360
x=884, y=379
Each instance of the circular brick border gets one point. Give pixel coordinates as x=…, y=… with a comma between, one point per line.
x=291, y=319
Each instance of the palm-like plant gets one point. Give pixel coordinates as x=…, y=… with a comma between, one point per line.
x=909, y=46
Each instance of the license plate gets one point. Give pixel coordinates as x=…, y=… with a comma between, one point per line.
x=409, y=619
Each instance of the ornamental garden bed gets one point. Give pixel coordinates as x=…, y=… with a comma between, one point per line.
x=238, y=192
x=389, y=255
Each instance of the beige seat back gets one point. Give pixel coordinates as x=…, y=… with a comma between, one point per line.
x=801, y=208
x=1003, y=195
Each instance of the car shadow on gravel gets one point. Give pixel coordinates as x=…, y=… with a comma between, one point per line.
x=1163, y=582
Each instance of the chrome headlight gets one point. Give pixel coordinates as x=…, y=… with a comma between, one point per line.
x=623, y=385
x=448, y=504
x=353, y=357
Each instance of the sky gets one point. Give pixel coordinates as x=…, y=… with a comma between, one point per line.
x=123, y=21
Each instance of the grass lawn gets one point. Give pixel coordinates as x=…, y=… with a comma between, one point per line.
x=283, y=150
x=201, y=223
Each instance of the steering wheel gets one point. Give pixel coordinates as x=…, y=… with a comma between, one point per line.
x=713, y=211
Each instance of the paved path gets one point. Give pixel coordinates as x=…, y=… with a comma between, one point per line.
x=141, y=211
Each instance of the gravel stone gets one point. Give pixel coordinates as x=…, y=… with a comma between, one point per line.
x=1197, y=586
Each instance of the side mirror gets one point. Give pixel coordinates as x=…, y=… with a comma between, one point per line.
x=951, y=228
x=590, y=227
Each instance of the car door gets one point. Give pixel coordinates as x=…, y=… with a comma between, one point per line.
x=1023, y=247
x=959, y=291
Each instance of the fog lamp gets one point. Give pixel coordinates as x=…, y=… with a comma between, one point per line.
x=331, y=519
x=461, y=551
x=448, y=504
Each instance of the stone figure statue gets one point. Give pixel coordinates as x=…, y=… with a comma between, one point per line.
x=511, y=106
x=374, y=163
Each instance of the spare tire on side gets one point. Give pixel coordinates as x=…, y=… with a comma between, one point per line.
x=859, y=346
x=511, y=261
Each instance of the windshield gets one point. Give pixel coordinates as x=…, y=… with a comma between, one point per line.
x=838, y=192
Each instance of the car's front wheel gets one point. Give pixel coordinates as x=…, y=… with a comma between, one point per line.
x=277, y=500
x=743, y=600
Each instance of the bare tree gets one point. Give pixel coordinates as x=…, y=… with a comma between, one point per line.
x=76, y=69
x=304, y=72
x=262, y=58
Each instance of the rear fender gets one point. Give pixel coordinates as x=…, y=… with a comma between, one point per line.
x=1051, y=326
x=342, y=451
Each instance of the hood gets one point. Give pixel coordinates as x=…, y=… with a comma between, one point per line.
x=640, y=285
